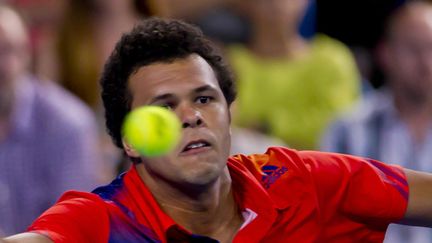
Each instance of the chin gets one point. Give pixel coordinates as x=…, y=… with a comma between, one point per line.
x=204, y=176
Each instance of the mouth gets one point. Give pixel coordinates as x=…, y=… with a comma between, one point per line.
x=196, y=147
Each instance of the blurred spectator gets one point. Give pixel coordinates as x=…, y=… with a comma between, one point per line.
x=290, y=87
x=222, y=21
x=218, y=19
x=394, y=124
x=47, y=136
x=42, y=18
x=187, y=10
x=87, y=35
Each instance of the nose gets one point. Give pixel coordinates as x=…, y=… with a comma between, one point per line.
x=190, y=117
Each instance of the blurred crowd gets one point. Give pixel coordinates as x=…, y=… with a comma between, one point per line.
x=340, y=76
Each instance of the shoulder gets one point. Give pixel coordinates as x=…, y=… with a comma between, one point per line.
x=273, y=156
x=330, y=52
x=335, y=183
x=275, y=164
x=77, y=204
x=241, y=58
x=290, y=176
x=326, y=44
x=238, y=50
x=75, y=217
x=289, y=164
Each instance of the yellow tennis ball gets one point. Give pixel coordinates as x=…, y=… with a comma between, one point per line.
x=152, y=130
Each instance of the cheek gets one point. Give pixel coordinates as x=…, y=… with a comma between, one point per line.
x=225, y=129
x=222, y=116
x=160, y=166
x=7, y=64
x=219, y=121
x=402, y=65
x=11, y=66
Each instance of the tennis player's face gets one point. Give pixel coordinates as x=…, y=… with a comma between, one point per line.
x=189, y=87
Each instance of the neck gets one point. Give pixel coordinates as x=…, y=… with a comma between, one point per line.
x=277, y=42
x=210, y=211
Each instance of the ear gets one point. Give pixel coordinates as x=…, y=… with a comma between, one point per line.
x=131, y=152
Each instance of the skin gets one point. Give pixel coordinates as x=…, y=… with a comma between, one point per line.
x=14, y=57
x=419, y=211
x=203, y=111
x=14, y=52
x=193, y=187
x=188, y=10
x=283, y=15
x=209, y=209
x=282, y=40
x=406, y=58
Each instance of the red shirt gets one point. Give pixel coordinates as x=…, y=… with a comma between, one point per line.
x=295, y=197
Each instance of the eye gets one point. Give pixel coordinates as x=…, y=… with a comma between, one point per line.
x=203, y=99
x=168, y=106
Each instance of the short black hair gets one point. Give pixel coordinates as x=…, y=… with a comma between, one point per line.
x=154, y=40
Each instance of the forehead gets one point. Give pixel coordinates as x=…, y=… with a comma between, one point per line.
x=11, y=27
x=178, y=77
x=413, y=19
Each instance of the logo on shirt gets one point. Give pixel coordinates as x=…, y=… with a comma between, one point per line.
x=271, y=174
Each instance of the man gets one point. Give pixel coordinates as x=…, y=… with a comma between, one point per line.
x=306, y=82
x=196, y=193
x=394, y=124
x=47, y=136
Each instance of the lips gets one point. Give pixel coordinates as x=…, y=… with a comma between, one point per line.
x=195, y=145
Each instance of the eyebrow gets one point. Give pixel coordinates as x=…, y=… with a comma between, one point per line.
x=203, y=89
x=198, y=90
x=161, y=97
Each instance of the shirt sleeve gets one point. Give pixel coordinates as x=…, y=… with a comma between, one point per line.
x=76, y=217
x=364, y=190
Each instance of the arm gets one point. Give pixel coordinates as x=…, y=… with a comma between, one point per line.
x=419, y=211
x=27, y=238
x=76, y=217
